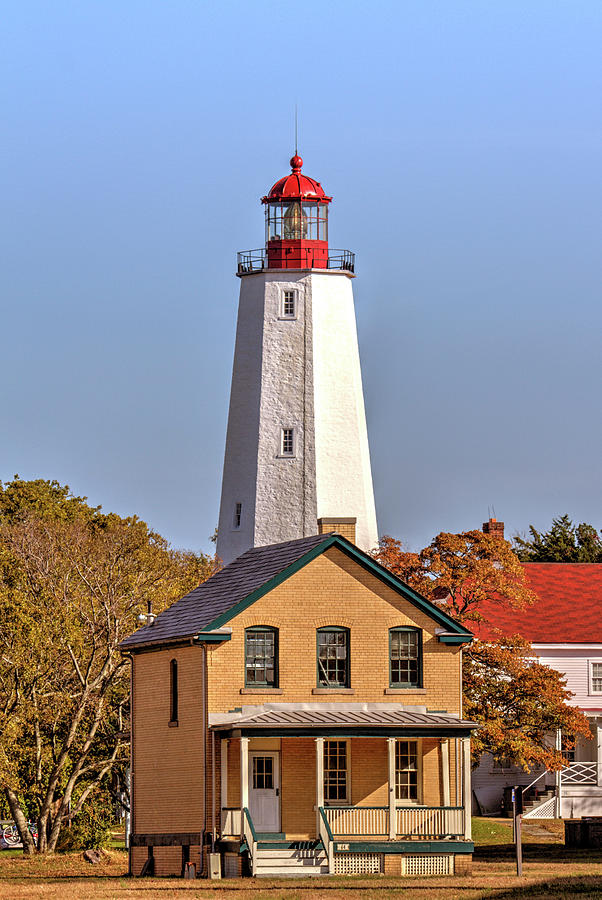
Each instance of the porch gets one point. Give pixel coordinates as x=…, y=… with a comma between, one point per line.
x=575, y=790
x=371, y=790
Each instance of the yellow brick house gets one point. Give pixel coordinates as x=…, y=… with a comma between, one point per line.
x=300, y=713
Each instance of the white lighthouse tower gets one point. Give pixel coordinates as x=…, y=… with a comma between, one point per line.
x=297, y=445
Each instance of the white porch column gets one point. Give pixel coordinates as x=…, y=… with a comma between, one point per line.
x=599, y=750
x=445, y=779
x=392, y=812
x=223, y=781
x=457, y=763
x=319, y=779
x=558, y=777
x=244, y=774
x=466, y=791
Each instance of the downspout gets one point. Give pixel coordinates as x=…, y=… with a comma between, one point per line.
x=132, y=778
x=204, y=742
x=213, y=792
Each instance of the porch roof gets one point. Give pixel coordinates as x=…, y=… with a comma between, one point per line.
x=322, y=719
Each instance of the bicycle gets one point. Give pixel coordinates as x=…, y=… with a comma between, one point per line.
x=12, y=837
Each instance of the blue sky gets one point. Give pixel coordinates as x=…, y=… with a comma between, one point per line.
x=461, y=143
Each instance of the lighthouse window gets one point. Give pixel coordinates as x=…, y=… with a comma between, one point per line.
x=297, y=221
x=287, y=447
x=289, y=304
x=237, y=514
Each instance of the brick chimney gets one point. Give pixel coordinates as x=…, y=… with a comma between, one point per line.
x=342, y=525
x=494, y=528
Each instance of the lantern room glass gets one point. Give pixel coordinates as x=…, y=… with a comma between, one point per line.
x=296, y=221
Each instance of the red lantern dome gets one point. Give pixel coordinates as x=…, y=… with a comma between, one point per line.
x=297, y=186
x=297, y=222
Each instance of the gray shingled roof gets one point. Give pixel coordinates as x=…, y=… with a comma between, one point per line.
x=233, y=583
x=336, y=715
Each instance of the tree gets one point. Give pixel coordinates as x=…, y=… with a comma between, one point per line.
x=564, y=542
x=72, y=582
x=517, y=701
x=460, y=571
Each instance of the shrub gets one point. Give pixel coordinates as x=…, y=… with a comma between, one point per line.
x=91, y=828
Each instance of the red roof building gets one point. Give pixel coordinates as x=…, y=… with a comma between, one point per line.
x=568, y=611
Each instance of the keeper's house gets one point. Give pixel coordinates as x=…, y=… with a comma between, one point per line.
x=300, y=713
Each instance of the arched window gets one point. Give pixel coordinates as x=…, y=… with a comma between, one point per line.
x=405, y=658
x=261, y=656
x=333, y=656
x=173, y=692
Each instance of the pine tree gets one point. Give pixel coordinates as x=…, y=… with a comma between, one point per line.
x=564, y=542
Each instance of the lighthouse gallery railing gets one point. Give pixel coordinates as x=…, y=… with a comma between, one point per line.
x=250, y=261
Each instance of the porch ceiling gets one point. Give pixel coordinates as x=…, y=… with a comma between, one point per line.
x=318, y=719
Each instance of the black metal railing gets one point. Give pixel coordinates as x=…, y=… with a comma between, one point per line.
x=249, y=261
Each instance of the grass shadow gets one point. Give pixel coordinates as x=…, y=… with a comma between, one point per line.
x=585, y=886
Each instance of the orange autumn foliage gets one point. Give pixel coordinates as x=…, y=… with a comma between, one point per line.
x=518, y=702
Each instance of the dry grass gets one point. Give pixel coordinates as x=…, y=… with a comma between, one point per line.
x=550, y=871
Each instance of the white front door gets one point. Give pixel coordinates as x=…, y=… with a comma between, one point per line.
x=264, y=789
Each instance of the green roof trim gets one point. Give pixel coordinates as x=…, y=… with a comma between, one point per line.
x=454, y=638
x=397, y=846
x=460, y=634
x=203, y=638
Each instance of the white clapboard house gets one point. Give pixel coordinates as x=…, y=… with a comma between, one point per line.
x=565, y=631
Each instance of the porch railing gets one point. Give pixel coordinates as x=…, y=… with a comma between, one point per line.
x=250, y=836
x=581, y=773
x=429, y=822
x=358, y=819
x=326, y=838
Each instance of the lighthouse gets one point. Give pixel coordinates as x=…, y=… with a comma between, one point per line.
x=297, y=459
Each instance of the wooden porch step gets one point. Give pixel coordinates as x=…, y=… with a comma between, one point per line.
x=298, y=858
x=290, y=845
x=542, y=798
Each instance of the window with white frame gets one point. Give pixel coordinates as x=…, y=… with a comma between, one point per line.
x=406, y=770
x=595, y=678
x=289, y=304
x=336, y=770
x=287, y=442
x=237, y=515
